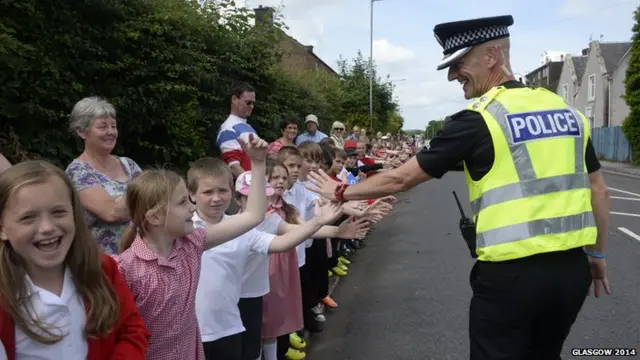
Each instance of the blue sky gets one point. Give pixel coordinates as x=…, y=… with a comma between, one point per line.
x=404, y=46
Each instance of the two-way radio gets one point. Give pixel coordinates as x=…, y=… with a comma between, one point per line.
x=467, y=228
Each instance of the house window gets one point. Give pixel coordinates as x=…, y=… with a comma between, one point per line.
x=565, y=92
x=591, y=87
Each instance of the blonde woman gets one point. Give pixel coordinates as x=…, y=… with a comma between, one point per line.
x=337, y=134
x=355, y=134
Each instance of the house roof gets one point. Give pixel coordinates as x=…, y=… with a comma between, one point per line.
x=310, y=51
x=579, y=65
x=612, y=53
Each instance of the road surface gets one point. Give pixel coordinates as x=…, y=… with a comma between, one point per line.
x=407, y=294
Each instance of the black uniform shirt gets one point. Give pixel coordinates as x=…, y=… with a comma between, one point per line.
x=465, y=136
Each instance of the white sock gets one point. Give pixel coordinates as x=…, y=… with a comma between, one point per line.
x=270, y=351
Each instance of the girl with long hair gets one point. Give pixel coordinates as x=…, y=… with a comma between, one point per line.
x=61, y=297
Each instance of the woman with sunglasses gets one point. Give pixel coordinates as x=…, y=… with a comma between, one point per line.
x=337, y=134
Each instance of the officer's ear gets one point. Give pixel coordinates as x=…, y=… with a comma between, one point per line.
x=493, y=54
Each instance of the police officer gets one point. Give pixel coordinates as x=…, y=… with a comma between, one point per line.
x=539, y=201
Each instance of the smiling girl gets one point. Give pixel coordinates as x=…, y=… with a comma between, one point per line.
x=61, y=298
x=162, y=251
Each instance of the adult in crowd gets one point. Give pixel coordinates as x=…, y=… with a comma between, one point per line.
x=363, y=138
x=355, y=134
x=540, y=203
x=4, y=163
x=289, y=129
x=337, y=134
x=100, y=177
x=241, y=100
x=312, y=133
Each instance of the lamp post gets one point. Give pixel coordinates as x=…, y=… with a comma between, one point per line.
x=371, y=69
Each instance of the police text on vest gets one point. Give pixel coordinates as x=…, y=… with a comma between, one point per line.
x=538, y=125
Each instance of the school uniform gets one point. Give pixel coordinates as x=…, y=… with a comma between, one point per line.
x=310, y=278
x=282, y=312
x=68, y=312
x=218, y=294
x=255, y=285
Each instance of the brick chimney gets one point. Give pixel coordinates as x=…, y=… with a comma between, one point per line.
x=585, y=51
x=309, y=48
x=264, y=15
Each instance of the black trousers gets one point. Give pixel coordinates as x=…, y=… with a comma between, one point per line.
x=335, y=246
x=283, y=346
x=226, y=348
x=524, y=309
x=308, y=295
x=318, y=261
x=251, y=315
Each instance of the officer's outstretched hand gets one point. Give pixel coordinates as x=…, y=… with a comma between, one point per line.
x=599, y=276
x=324, y=185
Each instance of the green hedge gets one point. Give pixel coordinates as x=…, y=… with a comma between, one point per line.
x=631, y=125
x=167, y=66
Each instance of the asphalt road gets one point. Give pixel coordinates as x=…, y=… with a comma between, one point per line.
x=624, y=193
x=407, y=294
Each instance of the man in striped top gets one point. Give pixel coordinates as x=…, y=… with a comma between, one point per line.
x=243, y=97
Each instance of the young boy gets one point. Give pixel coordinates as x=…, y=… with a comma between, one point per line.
x=229, y=330
x=339, y=159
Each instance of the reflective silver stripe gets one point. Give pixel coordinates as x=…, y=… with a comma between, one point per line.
x=579, y=143
x=530, y=188
x=519, y=152
x=511, y=233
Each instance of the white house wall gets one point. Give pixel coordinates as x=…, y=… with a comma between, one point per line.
x=597, y=105
x=619, y=108
x=566, y=78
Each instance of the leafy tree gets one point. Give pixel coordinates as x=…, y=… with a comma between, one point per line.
x=396, y=122
x=433, y=127
x=325, y=96
x=355, y=82
x=414, y=132
x=631, y=125
x=167, y=66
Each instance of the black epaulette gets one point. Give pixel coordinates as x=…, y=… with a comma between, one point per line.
x=461, y=114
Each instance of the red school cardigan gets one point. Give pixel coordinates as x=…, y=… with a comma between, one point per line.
x=128, y=340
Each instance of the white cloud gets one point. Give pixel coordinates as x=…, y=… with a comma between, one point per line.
x=405, y=48
x=575, y=8
x=385, y=52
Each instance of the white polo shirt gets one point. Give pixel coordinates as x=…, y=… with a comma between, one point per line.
x=255, y=279
x=66, y=313
x=221, y=276
x=303, y=200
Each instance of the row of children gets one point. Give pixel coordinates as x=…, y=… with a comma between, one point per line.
x=190, y=283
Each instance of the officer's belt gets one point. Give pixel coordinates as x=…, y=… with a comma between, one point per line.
x=530, y=185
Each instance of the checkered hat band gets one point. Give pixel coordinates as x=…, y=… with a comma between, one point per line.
x=468, y=38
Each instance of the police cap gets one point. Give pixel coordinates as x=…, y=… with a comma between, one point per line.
x=459, y=37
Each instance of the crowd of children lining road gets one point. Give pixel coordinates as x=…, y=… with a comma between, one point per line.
x=109, y=261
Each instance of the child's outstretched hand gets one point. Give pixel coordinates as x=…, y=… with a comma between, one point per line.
x=327, y=213
x=351, y=229
x=253, y=146
x=388, y=199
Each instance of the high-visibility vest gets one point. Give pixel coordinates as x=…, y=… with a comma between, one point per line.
x=536, y=198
